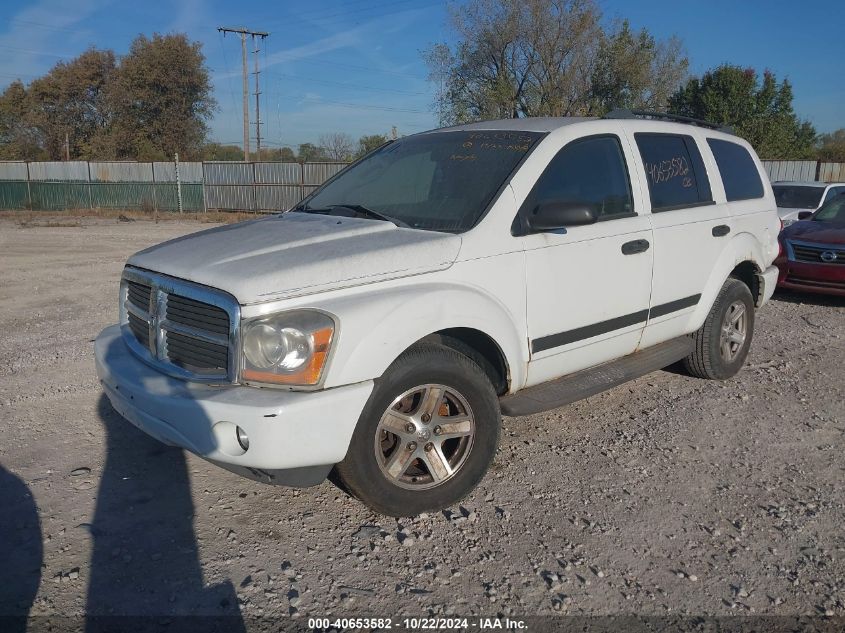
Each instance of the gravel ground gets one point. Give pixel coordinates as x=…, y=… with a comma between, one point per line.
x=666, y=496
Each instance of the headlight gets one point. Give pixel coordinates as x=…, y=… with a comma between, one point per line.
x=789, y=221
x=288, y=348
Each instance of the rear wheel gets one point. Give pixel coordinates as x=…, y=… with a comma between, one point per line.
x=426, y=436
x=723, y=342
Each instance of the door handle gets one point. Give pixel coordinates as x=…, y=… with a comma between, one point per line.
x=722, y=229
x=636, y=246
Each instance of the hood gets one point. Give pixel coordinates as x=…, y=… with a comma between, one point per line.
x=820, y=232
x=295, y=254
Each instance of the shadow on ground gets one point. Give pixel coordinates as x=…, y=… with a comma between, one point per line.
x=809, y=298
x=145, y=558
x=21, y=552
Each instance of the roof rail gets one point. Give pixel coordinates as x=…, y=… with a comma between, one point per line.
x=624, y=113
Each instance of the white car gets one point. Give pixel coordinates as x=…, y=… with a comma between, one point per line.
x=799, y=200
x=382, y=327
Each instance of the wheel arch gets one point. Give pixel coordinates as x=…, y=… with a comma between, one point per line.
x=479, y=347
x=742, y=259
x=377, y=327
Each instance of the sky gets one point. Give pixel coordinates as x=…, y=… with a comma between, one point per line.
x=355, y=66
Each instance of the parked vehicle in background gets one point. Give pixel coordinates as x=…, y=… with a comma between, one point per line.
x=812, y=255
x=798, y=200
x=383, y=326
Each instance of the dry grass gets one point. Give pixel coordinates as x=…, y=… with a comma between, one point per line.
x=80, y=217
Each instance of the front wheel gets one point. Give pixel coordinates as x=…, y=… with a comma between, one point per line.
x=426, y=436
x=722, y=343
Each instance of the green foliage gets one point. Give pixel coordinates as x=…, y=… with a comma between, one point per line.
x=831, y=147
x=160, y=99
x=217, y=151
x=18, y=138
x=633, y=70
x=151, y=104
x=367, y=144
x=759, y=111
x=278, y=155
x=518, y=58
x=310, y=153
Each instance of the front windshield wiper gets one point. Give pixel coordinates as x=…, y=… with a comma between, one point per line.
x=355, y=208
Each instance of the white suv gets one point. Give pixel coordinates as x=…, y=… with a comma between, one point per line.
x=799, y=200
x=383, y=326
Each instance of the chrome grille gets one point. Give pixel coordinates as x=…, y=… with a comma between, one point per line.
x=197, y=314
x=185, y=329
x=816, y=253
x=141, y=329
x=139, y=294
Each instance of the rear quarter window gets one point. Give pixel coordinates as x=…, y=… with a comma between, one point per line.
x=675, y=172
x=738, y=170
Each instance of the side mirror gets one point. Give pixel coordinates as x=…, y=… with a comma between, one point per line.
x=550, y=215
x=805, y=215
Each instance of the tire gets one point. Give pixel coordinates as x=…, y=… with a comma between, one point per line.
x=711, y=358
x=401, y=472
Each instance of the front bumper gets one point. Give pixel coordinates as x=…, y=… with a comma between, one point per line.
x=820, y=278
x=301, y=434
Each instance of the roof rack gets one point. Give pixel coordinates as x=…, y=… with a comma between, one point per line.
x=624, y=113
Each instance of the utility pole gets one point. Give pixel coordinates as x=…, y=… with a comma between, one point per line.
x=257, y=107
x=243, y=32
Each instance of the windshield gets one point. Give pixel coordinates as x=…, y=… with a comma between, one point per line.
x=442, y=181
x=798, y=196
x=833, y=211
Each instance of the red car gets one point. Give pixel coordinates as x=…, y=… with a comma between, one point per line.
x=812, y=251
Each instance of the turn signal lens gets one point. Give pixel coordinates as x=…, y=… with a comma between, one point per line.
x=289, y=348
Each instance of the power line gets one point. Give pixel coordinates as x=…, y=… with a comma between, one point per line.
x=47, y=26
x=344, y=17
x=243, y=32
x=364, y=106
x=29, y=52
x=358, y=67
x=328, y=82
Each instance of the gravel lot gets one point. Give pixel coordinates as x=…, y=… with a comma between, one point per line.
x=666, y=496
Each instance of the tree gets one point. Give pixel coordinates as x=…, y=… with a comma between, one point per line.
x=154, y=102
x=310, y=153
x=633, y=70
x=70, y=102
x=285, y=155
x=367, y=144
x=337, y=146
x=217, y=151
x=546, y=58
x=161, y=99
x=440, y=60
x=19, y=138
x=831, y=147
x=759, y=111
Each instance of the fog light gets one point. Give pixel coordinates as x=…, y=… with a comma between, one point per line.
x=243, y=439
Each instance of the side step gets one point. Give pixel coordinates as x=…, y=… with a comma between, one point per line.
x=589, y=382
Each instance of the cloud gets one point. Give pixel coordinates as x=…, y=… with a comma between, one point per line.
x=190, y=18
x=317, y=47
x=357, y=37
x=26, y=46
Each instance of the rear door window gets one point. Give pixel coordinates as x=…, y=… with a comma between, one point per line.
x=675, y=172
x=738, y=170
